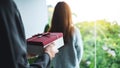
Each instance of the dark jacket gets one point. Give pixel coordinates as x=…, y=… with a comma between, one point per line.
x=13, y=52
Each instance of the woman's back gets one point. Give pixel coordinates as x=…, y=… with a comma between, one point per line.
x=70, y=55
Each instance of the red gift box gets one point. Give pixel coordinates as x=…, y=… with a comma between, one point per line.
x=38, y=42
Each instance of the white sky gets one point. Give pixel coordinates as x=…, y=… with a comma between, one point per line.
x=92, y=10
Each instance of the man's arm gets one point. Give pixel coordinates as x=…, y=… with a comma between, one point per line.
x=12, y=39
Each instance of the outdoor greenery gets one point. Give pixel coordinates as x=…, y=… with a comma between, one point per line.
x=101, y=44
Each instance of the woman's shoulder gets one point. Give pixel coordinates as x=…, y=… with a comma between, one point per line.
x=76, y=29
x=76, y=33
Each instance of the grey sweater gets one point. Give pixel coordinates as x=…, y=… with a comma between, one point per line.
x=71, y=54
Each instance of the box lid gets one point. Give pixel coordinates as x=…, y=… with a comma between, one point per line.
x=43, y=38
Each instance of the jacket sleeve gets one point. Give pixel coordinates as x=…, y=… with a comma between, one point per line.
x=12, y=39
x=42, y=61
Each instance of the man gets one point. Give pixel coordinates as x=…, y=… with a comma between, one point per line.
x=13, y=42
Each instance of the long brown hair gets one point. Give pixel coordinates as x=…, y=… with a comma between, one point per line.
x=62, y=21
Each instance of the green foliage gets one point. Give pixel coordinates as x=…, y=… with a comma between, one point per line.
x=101, y=41
x=32, y=60
x=108, y=41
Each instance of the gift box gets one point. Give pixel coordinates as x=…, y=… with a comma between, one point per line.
x=37, y=43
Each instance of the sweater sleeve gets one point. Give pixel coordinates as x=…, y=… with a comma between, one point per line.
x=78, y=44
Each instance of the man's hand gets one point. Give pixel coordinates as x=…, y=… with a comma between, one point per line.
x=51, y=50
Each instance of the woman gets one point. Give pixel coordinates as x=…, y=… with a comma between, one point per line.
x=70, y=55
